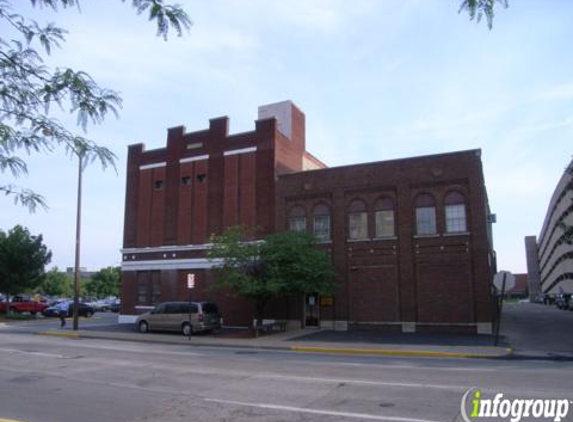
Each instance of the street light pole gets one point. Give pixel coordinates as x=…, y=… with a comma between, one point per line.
x=78, y=226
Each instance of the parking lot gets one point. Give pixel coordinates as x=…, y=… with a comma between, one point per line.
x=532, y=327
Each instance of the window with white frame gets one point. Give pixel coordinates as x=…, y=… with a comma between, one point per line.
x=297, y=219
x=384, y=216
x=357, y=220
x=455, y=210
x=321, y=223
x=425, y=215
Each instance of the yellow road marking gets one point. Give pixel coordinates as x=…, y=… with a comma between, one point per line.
x=58, y=334
x=390, y=352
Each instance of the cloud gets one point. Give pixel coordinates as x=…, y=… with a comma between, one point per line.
x=550, y=124
x=559, y=92
x=316, y=16
x=525, y=181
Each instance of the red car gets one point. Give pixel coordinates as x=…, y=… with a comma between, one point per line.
x=20, y=304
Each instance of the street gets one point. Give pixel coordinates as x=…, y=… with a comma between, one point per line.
x=52, y=379
x=100, y=319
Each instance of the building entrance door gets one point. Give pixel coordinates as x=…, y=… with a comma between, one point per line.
x=312, y=310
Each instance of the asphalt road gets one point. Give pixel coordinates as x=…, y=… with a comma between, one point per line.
x=100, y=319
x=51, y=379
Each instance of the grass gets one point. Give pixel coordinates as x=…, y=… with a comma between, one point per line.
x=512, y=299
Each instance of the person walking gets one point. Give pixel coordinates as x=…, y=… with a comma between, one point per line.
x=63, y=308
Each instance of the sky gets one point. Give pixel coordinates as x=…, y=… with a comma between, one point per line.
x=377, y=80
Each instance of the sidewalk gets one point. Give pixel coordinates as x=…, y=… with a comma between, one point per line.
x=294, y=341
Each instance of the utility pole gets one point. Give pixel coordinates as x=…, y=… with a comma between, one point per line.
x=78, y=230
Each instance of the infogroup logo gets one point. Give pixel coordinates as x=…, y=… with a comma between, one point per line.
x=475, y=407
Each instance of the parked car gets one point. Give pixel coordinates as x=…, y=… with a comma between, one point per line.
x=562, y=300
x=114, y=306
x=22, y=304
x=174, y=316
x=83, y=310
x=98, y=305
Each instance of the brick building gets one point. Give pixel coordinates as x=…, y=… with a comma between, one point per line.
x=520, y=290
x=409, y=238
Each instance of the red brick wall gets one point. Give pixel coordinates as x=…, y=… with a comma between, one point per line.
x=236, y=189
x=443, y=279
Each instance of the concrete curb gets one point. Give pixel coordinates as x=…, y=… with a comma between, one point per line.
x=400, y=353
x=393, y=352
x=59, y=334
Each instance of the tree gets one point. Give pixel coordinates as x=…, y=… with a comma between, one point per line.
x=29, y=89
x=57, y=283
x=477, y=9
x=283, y=264
x=105, y=282
x=22, y=260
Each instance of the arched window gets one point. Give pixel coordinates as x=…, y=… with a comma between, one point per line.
x=357, y=220
x=425, y=215
x=455, y=206
x=297, y=219
x=384, y=214
x=321, y=222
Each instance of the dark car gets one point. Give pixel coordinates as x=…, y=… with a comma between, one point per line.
x=562, y=300
x=114, y=307
x=83, y=310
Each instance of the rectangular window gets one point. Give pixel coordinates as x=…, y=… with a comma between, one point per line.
x=322, y=228
x=426, y=221
x=385, y=223
x=297, y=224
x=358, y=225
x=156, y=292
x=456, y=218
x=142, y=293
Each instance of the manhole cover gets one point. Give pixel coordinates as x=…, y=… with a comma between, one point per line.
x=386, y=405
x=246, y=352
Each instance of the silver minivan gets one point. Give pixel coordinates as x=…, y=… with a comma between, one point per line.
x=174, y=316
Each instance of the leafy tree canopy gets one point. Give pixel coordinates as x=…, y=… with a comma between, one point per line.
x=283, y=264
x=22, y=260
x=29, y=90
x=57, y=283
x=477, y=9
x=105, y=282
